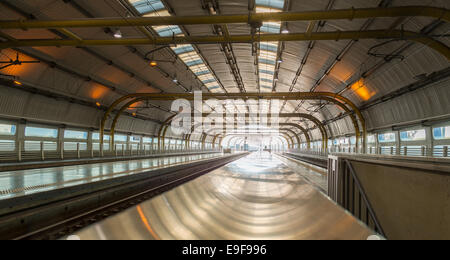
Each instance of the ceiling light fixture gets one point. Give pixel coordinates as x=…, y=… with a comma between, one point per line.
x=118, y=34
x=98, y=104
x=285, y=29
x=153, y=63
x=17, y=83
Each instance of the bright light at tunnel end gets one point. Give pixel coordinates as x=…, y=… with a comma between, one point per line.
x=214, y=116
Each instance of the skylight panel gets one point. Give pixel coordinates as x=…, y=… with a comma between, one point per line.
x=268, y=52
x=200, y=73
x=180, y=49
x=168, y=30
x=265, y=61
x=269, y=46
x=279, y=4
x=267, y=80
x=209, y=81
x=267, y=67
x=199, y=68
x=186, y=52
x=194, y=62
x=263, y=75
x=189, y=56
x=158, y=14
x=211, y=85
x=147, y=6
x=267, y=72
x=206, y=77
x=271, y=27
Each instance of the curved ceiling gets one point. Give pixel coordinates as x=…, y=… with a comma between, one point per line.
x=103, y=74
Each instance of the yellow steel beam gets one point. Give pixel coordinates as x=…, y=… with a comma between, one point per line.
x=331, y=97
x=70, y=34
x=285, y=115
x=342, y=14
x=318, y=36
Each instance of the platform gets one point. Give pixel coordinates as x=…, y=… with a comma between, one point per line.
x=254, y=198
x=26, y=182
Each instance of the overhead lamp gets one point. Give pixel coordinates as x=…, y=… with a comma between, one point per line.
x=280, y=60
x=153, y=63
x=175, y=80
x=285, y=30
x=17, y=83
x=98, y=104
x=134, y=114
x=117, y=34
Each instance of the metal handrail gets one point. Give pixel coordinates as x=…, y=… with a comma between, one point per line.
x=362, y=191
x=43, y=151
x=436, y=152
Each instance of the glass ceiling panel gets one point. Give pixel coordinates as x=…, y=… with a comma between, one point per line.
x=268, y=53
x=186, y=52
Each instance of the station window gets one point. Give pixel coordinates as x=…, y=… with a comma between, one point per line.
x=388, y=150
x=7, y=129
x=441, y=133
x=96, y=147
x=41, y=132
x=147, y=140
x=135, y=139
x=411, y=150
x=416, y=135
x=7, y=146
x=344, y=141
x=71, y=146
x=71, y=134
x=34, y=146
x=371, y=139
x=353, y=140
x=438, y=151
x=120, y=138
x=96, y=137
x=387, y=138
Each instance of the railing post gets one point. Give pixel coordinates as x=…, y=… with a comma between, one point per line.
x=424, y=151
x=445, y=151
x=61, y=150
x=405, y=151
x=19, y=151
x=92, y=151
x=392, y=150
x=123, y=150
x=78, y=151
x=115, y=149
x=42, y=151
